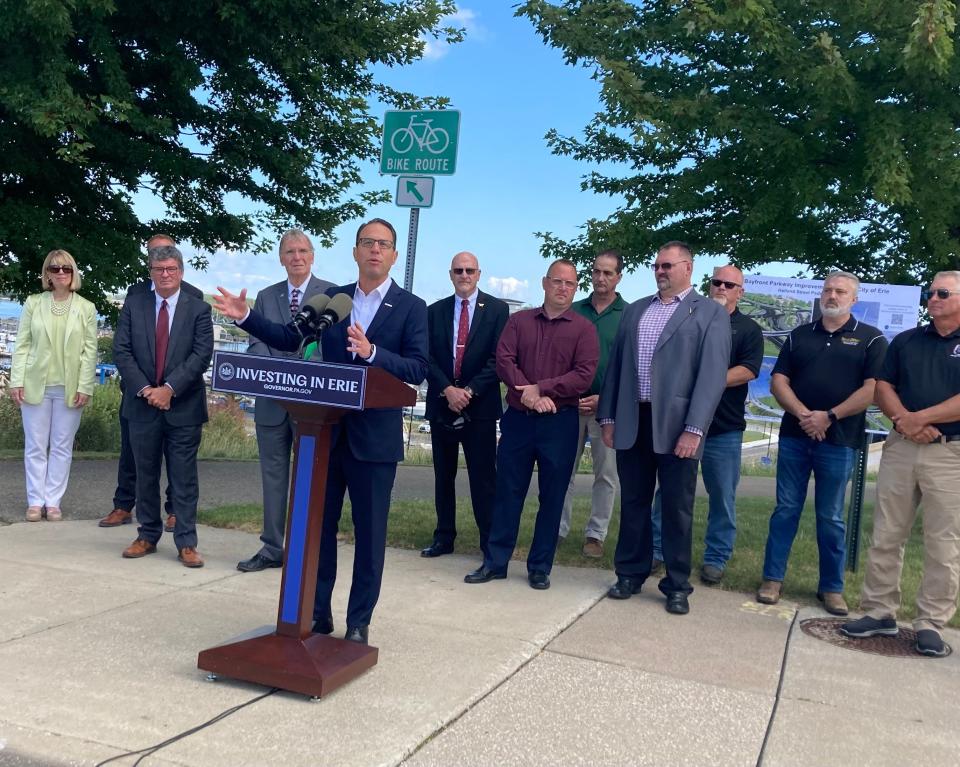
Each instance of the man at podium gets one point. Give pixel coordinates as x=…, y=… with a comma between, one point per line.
x=387, y=328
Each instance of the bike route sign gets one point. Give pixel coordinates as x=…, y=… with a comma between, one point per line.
x=420, y=142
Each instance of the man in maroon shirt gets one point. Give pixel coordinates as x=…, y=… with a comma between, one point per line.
x=547, y=357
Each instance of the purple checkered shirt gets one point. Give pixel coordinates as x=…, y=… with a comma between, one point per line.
x=652, y=323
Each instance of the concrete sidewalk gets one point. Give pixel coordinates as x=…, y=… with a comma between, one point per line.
x=98, y=658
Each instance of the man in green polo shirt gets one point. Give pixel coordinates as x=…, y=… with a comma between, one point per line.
x=604, y=308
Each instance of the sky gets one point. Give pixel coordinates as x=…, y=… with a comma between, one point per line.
x=510, y=89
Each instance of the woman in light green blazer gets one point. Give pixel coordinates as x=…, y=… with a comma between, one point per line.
x=52, y=377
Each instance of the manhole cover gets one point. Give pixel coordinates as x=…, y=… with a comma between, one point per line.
x=900, y=646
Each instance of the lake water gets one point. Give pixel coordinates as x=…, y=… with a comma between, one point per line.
x=9, y=309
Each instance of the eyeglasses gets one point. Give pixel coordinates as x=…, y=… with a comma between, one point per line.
x=558, y=283
x=164, y=269
x=57, y=268
x=668, y=265
x=369, y=242
x=728, y=285
x=942, y=293
x=463, y=270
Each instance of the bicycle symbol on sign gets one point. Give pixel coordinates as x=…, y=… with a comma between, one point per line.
x=434, y=140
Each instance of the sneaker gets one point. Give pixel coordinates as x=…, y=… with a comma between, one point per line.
x=833, y=602
x=930, y=643
x=592, y=548
x=769, y=592
x=711, y=574
x=870, y=627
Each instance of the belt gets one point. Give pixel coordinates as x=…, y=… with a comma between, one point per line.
x=945, y=438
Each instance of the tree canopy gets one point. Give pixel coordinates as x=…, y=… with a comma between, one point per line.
x=821, y=132
x=209, y=107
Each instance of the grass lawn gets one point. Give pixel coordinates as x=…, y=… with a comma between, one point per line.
x=412, y=522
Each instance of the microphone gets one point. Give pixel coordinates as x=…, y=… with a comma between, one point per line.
x=306, y=320
x=337, y=310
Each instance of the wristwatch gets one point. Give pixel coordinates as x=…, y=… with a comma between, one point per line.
x=468, y=390
x=832, y=416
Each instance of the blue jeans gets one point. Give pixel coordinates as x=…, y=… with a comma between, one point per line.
x=721, y=475
x=831, y=466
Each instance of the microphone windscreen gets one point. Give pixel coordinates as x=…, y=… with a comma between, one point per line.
x=340, y=306
x=318, y=303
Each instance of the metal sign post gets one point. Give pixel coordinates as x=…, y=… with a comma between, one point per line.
x=411, y=249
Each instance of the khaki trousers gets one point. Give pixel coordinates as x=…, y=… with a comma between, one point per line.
x=912, y=475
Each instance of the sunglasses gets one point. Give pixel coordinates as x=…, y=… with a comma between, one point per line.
x=727, y=285
x=463, y=270
x=668, y=265
x=57, y=268
x=942, y=293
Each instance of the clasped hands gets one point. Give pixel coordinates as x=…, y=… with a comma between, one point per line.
x=915, y=428
x=814, y=423
x=531, y=398
x=457, y=398
x=158, y=396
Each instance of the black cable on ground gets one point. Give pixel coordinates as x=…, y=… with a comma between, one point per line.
x=150, y=750
x=776, y=700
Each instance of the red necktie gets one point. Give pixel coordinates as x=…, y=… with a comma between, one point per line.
x=163, y=339
x=294, y=302
x=463, y=330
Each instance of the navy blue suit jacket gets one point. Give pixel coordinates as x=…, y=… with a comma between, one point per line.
x=399, y=331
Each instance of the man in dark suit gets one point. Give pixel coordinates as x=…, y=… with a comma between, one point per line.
x=463, y=399
x=163, y=345
x=667, y=372
x=279, y=303
x=126, y=493
x=387, y=329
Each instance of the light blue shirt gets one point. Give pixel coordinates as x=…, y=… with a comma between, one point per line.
x=366, y=305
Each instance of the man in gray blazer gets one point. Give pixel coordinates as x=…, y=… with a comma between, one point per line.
x=666, y=374
x=279, y=303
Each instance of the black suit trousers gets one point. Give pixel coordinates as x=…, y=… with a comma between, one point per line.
x=640, y=468
x=152, y=442
x=370, y=484
x=479, y=440
x=126, y=493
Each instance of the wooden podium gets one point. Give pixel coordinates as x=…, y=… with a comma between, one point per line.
x=292, y=658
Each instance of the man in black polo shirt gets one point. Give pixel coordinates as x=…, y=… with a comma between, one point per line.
x=824, y=381
x=919, y=390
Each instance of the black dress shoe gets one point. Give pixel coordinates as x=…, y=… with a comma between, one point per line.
x=483, y=574
x=539, y=580
x=357, y=634
x=677, y=603
x=323, y=625
x=624, y=588
x=437, y=550
x=256, y=563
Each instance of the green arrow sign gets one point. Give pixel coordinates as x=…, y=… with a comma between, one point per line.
x=420, y=142
x=412, y=189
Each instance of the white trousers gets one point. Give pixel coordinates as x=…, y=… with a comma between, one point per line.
x=48, y=429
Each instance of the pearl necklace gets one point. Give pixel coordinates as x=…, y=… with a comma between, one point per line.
x=60, y=308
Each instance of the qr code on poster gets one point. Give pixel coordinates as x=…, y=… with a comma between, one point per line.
x=896, y=319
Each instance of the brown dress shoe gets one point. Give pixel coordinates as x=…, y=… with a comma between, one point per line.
x=190, y=557
x=171, y=523
x=769, y=592
x=139, y=548
x=592, y=548
x=116, y=518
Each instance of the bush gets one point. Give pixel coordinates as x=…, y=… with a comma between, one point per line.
x=225, y=434
x=11, y=427
x=100, y=425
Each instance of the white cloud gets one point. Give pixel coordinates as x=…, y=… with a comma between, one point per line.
x=508, y=287
x=463, y=18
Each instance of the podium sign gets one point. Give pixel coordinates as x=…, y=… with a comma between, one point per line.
x=319, y=383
